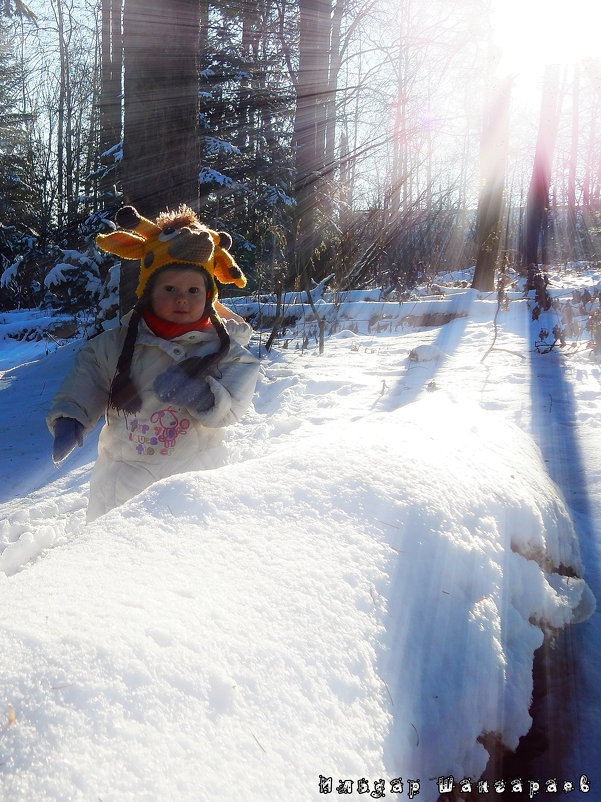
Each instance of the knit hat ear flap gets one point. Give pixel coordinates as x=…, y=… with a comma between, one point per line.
x=211, y=288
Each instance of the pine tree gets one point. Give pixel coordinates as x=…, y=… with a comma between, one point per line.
x=245, y=128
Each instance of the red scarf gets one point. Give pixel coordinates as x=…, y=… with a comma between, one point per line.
x=166, y=330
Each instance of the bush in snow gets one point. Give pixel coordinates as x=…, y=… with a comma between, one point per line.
x=23, y=276
x=66, y=274
x=74, y=283
x=107, y=315
x=567, y=321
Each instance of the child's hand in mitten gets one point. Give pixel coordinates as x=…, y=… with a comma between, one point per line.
x=68, y=433
x=174, y=386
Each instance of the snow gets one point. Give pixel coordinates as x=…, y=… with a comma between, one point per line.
x=209, y=176
x=357, y=595
x=274, y=195
x=18, y=327
x=57, y=274
x=10, y=273
x=215, y=146
x=116, y=151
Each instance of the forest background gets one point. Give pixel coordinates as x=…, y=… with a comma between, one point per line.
x=374, y=142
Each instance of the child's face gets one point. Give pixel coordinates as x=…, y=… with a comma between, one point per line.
x=179, y=296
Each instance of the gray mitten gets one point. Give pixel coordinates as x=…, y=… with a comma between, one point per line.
x=68, y=433
x=174, y=386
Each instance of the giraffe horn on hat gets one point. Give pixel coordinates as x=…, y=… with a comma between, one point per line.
x=226, y=269
x=129, y=243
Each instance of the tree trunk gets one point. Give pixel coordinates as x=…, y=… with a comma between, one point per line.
x=310, y=127
x=111, y=88
x=571, y=199
x=493, y=158
x=203, y=42
x=399, y=198
x=61, y=112
x=160, y=145
x=246, y=108
x=537, y=201
x=160, y=137
x=330, y=101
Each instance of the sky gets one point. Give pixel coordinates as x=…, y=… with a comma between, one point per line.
x=535, y=33
x=353, y=598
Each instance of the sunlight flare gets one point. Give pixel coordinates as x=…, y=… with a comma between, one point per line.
x=533, y=34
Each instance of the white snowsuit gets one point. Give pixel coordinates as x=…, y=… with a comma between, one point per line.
x=135, y=450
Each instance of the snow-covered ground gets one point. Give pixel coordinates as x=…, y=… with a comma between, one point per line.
x=349, y=606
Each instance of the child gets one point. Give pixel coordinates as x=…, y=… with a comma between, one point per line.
x=171, y=375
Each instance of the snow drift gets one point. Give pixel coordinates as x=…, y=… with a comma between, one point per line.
x=356, y=597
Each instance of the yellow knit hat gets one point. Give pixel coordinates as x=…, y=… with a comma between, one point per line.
x=177, y=238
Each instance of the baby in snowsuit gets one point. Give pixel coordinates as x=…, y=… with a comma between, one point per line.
x=171, y=375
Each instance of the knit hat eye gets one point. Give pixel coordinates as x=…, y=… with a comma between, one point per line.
x=167, y=234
